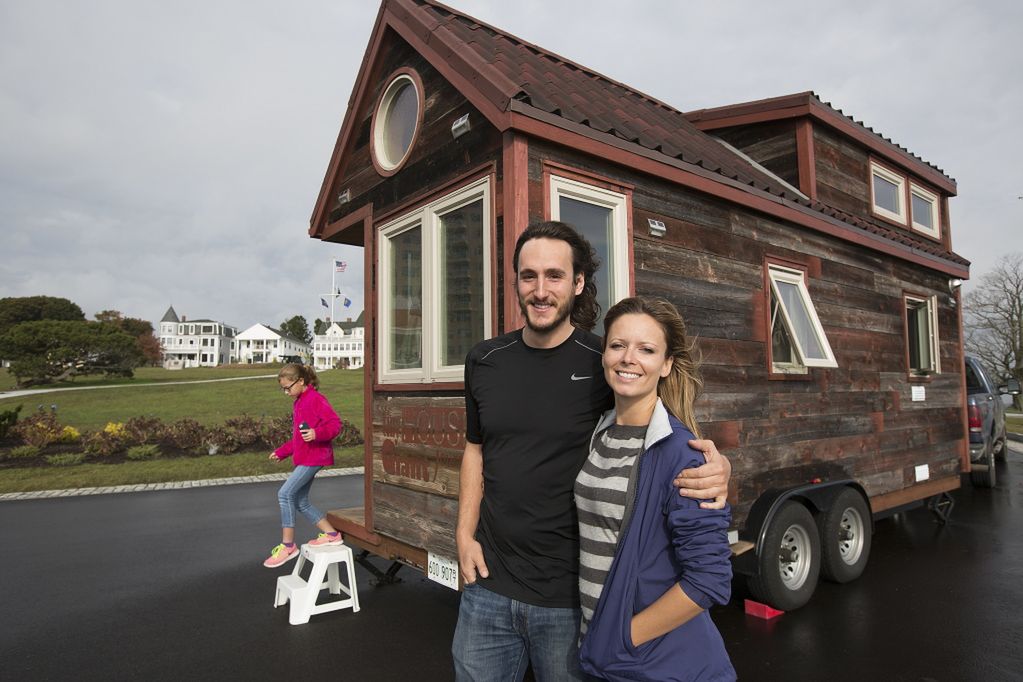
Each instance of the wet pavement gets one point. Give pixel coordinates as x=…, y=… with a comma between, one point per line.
x=168, y=584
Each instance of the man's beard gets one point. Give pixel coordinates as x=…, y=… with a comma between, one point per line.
x=563, y=312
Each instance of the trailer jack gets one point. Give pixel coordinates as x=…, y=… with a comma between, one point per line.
x=941, y=506
x=388, y=577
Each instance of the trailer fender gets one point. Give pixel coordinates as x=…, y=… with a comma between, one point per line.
x=816, y=497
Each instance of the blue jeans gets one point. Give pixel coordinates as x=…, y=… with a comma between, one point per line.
x=294, y=495
x=497, y=638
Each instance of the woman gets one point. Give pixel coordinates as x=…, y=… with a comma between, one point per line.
x=651, y=562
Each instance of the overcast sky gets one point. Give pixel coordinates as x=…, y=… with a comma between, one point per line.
x=156, y=153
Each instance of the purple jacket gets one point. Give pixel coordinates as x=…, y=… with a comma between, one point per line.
x=313, y=409
x=666, y=539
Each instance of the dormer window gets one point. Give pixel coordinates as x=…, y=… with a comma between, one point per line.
x=898, y=199
x=887, y=192
x=924, y=210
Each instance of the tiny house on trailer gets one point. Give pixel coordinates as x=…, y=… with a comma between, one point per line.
x=811, y=256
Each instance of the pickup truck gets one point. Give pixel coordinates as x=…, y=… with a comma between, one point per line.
x=985, y=413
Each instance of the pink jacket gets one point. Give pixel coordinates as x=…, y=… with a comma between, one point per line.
x=313, y=409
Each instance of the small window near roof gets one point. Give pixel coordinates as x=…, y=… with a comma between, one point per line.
x=922, y=335
x=797, y=337
x=396, y=122
x=924, y=210
x=888, y=190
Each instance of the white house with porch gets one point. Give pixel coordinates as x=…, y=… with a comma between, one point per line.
x=340, y=346
x=262, y=343
x=195, y=343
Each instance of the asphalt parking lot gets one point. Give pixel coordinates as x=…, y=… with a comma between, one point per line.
x=169, y=585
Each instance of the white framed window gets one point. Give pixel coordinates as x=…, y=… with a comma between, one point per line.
x=923, y=210
x=601, y=216
x=434, y=283
x=922, y=335
x=887, y=193
x=798, y=340
x=396, y=121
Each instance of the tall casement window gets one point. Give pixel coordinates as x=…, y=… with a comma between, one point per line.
x=797, y=337
x=922, y=335
x=888, y=193
x=601, y=216
x=923, y=207
x=434, y=284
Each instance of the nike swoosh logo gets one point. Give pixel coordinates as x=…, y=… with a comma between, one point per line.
x=575, y=378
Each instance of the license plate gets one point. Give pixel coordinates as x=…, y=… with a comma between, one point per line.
x=442, y=570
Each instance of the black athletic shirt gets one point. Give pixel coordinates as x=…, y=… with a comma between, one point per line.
x=533, y=411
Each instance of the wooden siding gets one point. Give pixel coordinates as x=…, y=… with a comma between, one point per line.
x=772, y=145
x=855, y=421
x=436, y=157
x=843, y=172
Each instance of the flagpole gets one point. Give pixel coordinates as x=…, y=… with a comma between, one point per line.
x=333, y=275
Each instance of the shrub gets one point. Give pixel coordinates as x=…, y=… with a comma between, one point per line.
x=243, y=431
x=274, y=431
x=65, y=460
x=349, y=435
x=8, y=418
x=187, y=434
x=104, y=443
x=143, y=452
x=69, y=434
x=23, y=452
x=39, y=429
x=142, y=430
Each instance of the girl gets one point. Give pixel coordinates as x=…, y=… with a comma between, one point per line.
x=315, y=424
x=651, y=561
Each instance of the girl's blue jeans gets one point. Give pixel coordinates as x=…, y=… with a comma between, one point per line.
x=294, y=495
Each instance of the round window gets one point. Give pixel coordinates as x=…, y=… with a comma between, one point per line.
x=396, y=122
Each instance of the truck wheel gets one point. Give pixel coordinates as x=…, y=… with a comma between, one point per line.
x=845, y=537
x=999, y=446
x=789, y=561
x=987, y=478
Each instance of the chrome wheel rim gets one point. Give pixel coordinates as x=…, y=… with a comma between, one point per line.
x=850, y=536
x=794, y=557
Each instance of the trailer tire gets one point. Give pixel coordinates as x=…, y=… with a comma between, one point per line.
x=790, y=560
x=845, y=537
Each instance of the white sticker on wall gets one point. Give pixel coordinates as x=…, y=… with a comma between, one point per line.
x=923, y=472
x=919, y=393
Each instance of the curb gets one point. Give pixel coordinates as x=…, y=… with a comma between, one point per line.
x=175, y=485
x=1018, y=437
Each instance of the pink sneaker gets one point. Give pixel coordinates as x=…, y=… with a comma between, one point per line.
x=281, y=555
x=325, y=539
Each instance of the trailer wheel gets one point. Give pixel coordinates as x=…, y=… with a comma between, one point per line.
x=790, y=560
x=845, y=537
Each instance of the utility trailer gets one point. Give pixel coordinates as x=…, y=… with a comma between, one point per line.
x=811, y=257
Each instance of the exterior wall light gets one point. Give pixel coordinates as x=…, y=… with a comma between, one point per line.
x=461, y=126
x=657, y=227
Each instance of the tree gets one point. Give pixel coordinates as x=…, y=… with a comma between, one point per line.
x=320, y=326
x=45, y=351
x=993, y=319
x=297, y=328
x=32, y=308
x=141, y=330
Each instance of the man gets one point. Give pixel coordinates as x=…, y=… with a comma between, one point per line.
x=533, y=397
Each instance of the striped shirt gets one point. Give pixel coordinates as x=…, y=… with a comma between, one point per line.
x=600, y=495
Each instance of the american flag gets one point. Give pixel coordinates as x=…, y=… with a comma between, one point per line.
x=340, y=265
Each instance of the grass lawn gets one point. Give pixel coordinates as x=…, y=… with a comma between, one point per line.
x=1014, y=422
x=150, y=375
x=207, y=403
x=210, y=403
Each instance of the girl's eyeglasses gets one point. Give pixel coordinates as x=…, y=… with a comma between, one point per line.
x=288, y=387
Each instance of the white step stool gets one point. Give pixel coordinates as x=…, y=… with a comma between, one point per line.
x=303, y=593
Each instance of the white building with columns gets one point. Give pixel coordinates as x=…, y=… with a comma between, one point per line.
x=262, y=343
x=340, y=345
